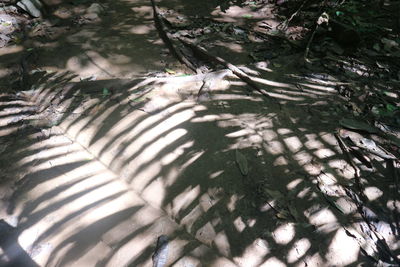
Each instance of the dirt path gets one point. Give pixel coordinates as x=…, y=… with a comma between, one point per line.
x=105, y=167
x=102, y=41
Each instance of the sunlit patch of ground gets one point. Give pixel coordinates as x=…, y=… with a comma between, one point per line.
x=98, y=169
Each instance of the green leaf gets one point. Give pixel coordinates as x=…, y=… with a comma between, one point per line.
x=358, y=125
x=106, y=92
x=242, y=163
x=383, y=112
x=339, y=13
x=391, y=107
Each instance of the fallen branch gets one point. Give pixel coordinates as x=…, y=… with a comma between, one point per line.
x=217, y=60
x=393, y=168
x=380, y=242
x=167, y=39
x=346, y=152
x=307, y=51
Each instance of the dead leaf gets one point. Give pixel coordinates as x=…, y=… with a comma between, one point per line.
x=170, y=71
x=283, y=214
x=370, y=146
x=242, y=163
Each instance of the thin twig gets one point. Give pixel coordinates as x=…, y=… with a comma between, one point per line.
x=307, y=51
x=346, y=152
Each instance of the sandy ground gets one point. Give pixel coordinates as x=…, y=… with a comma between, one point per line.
x=110, y=165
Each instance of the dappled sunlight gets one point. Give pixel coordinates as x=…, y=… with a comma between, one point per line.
x=87, y=39
x=117, y=170
x=183, y=200
x=128, y=145
x=141, y=29
x=233, y=47
x=11, y=50
x=273, y=261
x=284, y=234
x=82, y=65
x=237, y=14
x=348, y=249
x=143, y=11
x=179, y=151
x=298, y=250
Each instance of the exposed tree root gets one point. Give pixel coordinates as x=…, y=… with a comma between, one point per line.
x=167, y=39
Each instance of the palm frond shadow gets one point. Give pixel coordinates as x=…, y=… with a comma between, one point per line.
x=180, y=159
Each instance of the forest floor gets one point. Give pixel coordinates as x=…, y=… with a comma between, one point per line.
x=262, y=146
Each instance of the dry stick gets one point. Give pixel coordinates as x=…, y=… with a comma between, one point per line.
x=160, y=26
x=381, y=242
x=293, y=15
x=309, y=44
x=346, y=151
x=239, y=73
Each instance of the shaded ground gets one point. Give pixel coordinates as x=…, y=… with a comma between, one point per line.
x=94, y=171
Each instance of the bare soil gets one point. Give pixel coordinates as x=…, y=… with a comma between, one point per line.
x=109, y=145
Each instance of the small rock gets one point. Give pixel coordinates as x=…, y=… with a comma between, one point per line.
x=95, y=9
x=91, y=16
x=33, y=7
